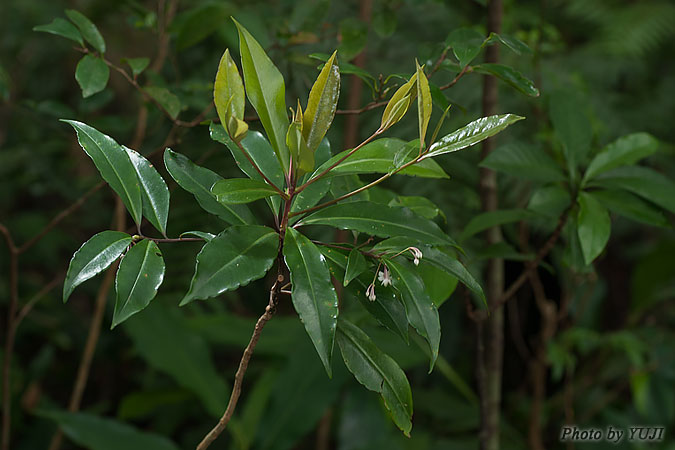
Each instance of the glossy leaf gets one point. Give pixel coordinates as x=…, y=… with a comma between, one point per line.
x=524, y=161
x=241, y=190
x=378, y=372
x=235, y=257
x=421, y=206
x=466, y=44
x=93, y=257
x=303, y=156
x=421, y=311
x=454, y=267
x=471, y=134
x=198, y=181
x=89, y=31
x=200, y=234
x=379, y=157
x=102, y=433
x=138, y=65
x=386, y=308
x=92, y=75
x=114, y=164
x=315, y=191
x=266, y=92
x=164, y=97
x=424, y=105
x=624, y=151
x=322, y=103
x=511, y=76
x=347, y=69
x=594, y=226
x=399, y=103
x=229, y=97
x=161, y=336
x=313, y=294
x=645, y=182
x=154, y=191
x=260, y=151
x=379, y=220
x=356, y=265
x=490, y=219
x=630, y=206
x=63, y=28
x=140, y=274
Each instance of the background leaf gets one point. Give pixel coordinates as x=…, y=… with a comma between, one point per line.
x=164, y=97
x=511, y=76
x=62, y=28
x=466, y=44
x=647, y=183
x=624, y=151
x=594, y=226
x=524, y=161
x=88, y=29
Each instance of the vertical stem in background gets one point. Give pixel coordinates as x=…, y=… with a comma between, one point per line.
x=9, y=342
x=492, y=356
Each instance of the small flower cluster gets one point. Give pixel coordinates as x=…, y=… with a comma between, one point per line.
x=384, y=276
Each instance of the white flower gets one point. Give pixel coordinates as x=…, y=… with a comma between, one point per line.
x=370, y=292
x=384, y=277
x=417, y=254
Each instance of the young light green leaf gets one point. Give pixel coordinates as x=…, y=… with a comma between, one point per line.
x=138, y=65
x=266, y=92
x=303, y=156
x=524, y=161
x=594, y=226
x=625, y=151
x=198, y=181
x=356, y=265
x=235, y=257
x=101, y=433
x=92, y=75
x=399, y=103
x=313, y=294
x=241, y=190
x=511, y=76
x=466, y=44
x=95, y=255
x=229, y=97
x=379, y=220
x=630, y=206
x=88, y=29
x=140, y=274
x=643, y=181
x=114, y=164
x=471, y=134
x=424, y=105
x=378, y=372
x=421, y=311
x=63, y=28
x=154, y=191
x=321, y=104
x=348, y=69
x=490, y=219
x=164, y=97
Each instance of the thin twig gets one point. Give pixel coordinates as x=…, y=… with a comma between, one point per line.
x=9, y=342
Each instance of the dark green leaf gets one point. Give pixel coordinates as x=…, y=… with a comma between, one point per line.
x=626, y=150
x=241, y=190
x=164, y=97
x=421, y=311
x=466, y=44
x=471, y=134
x=378, y=372
x=61, y=28
x=511, y=76
x=198, y=181
x=138, y=65
x=421, y=206
x=114, y=164
x=235, y=257
x=631, y=206
x=161, y=336
x=353, y=37
x=95, y=255
x=386, y=308
x=356, y=265
x=101, y=433
x=200, y=234
x=92, y=75
x=266, y=92
x=140, y=274
x=550, y=201
x=594, y=226
x=379, y=220
x=88, y=29
x=378, y=157
x=516, y=45
x=439, y=284
x=571, y=125
x=524, y=161
x=154, y=191
x=313, y=294
x=385, y=21
x=454, y=267
x=321, y=104
x=198, y=22
x=645, y=182
x=494, y=218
